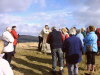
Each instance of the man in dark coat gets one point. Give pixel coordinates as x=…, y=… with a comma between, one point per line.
x=55, y=40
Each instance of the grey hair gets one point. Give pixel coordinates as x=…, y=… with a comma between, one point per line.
x=72, y=31
x=78, y=30
x=53, y=28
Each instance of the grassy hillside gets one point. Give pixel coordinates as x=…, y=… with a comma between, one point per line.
x=29, y=61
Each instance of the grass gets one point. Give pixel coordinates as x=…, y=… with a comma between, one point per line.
x=29, y=61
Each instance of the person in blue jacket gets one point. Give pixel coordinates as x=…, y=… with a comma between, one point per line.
x=73, y=49
x=80, y=35
x=90, y=48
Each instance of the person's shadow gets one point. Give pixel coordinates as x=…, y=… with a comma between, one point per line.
x=41, y=60
x=87, y=74
x=43, y=69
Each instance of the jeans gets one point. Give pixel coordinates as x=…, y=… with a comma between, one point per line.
x=73, y=69
x=57, y=53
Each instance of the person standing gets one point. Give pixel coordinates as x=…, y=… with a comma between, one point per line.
x=8, y=44
x=83, y=31
x=15, y=36
x=65, y=36
x=65, y=33
x=55, y=40
x=40, y=41
x=45, y=45
x=73, y=49
x=90, y=48
x=80, y=35
x=98, y=42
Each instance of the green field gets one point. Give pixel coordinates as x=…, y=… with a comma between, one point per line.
x=29, y=61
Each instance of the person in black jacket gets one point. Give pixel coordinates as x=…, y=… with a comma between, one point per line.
x=55, y=40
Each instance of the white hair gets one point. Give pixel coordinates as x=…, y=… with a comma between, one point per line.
x=8, y=28
x=72, y=31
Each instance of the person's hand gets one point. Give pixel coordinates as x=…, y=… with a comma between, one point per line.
x=98, y=53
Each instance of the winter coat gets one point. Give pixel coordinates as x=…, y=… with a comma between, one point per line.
x=55, y=39
x=91, y=39
x=80, y=35
x=8, y=42
x=73, y=49
x=15, y=36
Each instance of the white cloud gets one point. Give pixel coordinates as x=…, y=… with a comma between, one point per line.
x=83, y=12
x=19, y=5
x=14, y=5
x=24, y=25
x=87, y=13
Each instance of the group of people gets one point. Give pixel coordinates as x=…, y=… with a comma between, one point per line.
x=9, y=38
x=61, y=43
x=70, y=44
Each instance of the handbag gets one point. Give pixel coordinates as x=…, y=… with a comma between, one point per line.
x=5, y=43
x=88, y=48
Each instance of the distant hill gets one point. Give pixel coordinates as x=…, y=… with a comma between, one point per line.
x=27, y=38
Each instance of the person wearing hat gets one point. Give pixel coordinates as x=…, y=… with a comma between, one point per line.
x=8, y=44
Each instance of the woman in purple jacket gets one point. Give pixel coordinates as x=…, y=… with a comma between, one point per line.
x=73, y=49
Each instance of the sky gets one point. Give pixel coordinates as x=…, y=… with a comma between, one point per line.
x=30, y=16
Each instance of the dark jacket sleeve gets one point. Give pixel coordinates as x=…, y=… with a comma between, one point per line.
x=81, y=46
x=65, y=46
x=48, y=39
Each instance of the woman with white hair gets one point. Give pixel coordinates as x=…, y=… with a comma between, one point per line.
x=73, y=50
x=5, y=68
x=8, y=44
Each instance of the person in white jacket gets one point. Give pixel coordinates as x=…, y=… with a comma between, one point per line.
x=45, y=46
x=5, y=68
x=8, y=44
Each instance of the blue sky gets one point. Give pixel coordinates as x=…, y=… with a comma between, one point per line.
x=30, y=16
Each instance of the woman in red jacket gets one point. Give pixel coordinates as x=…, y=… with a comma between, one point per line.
x=65, y=33
x=15, y=36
